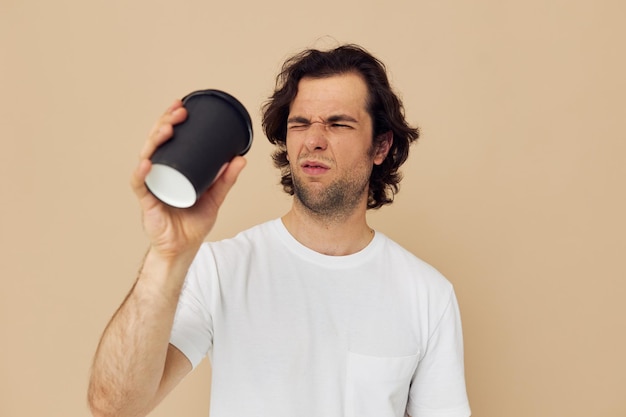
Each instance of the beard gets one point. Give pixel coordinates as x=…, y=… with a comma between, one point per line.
x=339, y=198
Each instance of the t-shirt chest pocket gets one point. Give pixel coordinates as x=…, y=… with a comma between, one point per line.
x=378, y=386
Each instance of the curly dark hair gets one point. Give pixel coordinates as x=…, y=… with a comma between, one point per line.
x=383, y=105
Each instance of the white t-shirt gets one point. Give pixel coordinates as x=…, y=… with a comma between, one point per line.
x=294, y=333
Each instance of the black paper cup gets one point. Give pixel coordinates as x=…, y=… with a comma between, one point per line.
x=217, y=129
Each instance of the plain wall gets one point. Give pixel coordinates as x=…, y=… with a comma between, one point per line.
x=516, y=190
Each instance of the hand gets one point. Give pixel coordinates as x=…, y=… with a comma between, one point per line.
x=174, y=231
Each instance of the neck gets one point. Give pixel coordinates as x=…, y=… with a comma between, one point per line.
x=329, y=235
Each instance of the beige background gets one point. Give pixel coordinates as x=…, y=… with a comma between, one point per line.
x=515, y=192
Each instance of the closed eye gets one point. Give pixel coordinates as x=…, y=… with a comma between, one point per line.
x=300, y=126
x=339, y=122
x=298, y=123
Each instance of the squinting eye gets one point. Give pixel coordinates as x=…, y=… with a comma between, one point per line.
x=340, y=125
x=298, y=127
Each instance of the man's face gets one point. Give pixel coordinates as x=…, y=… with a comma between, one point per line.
x=329, y=144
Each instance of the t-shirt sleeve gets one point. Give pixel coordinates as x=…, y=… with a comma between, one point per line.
x=438, y=386
x=192, y=331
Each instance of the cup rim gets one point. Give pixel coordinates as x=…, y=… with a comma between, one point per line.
x=241, y=109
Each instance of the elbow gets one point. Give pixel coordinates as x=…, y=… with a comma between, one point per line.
x=95, y=401
x=104, y=409
x=98, y=413
x=100, y=407
x=97, y=410
x=106, y=404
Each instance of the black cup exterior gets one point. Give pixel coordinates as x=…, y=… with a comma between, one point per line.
x=217, y=129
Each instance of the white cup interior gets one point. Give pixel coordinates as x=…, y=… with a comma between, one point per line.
x=170, y=186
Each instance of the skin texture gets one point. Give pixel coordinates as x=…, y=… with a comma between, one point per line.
x=329, y=143
x=135, y=367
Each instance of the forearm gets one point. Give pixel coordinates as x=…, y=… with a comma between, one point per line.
x=129, y=362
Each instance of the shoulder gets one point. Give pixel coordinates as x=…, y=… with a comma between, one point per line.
x=419, y=281
x=233, y=254
x=250, y=236
x=261, y=238
x=401, y=259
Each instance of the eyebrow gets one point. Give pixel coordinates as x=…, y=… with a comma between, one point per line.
x=341, y=118
x=298, y=119
x=331, y=119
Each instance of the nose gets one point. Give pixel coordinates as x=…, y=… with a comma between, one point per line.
x=316, y=137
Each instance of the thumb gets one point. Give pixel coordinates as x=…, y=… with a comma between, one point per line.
x=232, y=170
x=222, y=185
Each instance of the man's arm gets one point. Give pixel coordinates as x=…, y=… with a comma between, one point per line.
x=135, y=366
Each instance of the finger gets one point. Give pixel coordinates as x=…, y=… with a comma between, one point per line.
x=232, y=170
x=138, y=178
x=172, y=107
x=222, y=185
x=175, y=104
x=163, y=129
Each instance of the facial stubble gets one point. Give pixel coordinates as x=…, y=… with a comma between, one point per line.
x=339, y=198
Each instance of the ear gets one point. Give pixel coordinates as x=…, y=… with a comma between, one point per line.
x=384, y=142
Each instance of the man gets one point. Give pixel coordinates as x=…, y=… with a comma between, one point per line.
x=312, y=314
